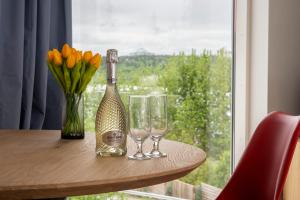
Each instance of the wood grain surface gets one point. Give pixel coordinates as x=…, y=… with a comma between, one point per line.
x=291, y=189
x=38, y=164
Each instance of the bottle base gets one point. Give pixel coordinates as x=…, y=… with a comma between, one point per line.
x=111, y=154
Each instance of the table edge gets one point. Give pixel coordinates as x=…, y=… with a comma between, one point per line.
x=94, y=187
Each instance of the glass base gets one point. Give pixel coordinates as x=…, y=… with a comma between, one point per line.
x=139, y=156
x=156, y=154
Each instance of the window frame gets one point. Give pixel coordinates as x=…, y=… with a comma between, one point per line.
x=241, y=79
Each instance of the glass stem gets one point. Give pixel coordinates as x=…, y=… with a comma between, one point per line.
x=139, y=146
x=156, y=144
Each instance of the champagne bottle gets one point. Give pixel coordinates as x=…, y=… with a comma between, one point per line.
x=111, y=126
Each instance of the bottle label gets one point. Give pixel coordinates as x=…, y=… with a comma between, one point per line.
x=113, y=138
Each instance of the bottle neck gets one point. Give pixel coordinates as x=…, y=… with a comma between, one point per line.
x=111, y=73
x=111, y=87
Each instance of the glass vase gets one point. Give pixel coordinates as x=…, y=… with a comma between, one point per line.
x=73, y=117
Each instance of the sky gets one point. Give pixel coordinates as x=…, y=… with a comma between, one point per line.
x=162, y=27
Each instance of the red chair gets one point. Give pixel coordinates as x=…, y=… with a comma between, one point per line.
x=262, y=170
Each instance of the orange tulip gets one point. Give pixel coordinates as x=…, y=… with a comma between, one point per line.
x=50, y=56
x=96, y=60
x=57, y=59
x=71, y=60
x=87, y=56
x=73, y=50
x=66, y=50
x=78, y=56
x=55, y=51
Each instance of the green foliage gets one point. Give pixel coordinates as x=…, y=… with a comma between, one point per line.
x=190, y=119
x=199, y=102
x=202, y=115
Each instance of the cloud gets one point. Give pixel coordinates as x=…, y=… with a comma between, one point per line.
x=161, y=27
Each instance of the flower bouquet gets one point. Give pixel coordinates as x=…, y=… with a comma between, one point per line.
x=73, y=71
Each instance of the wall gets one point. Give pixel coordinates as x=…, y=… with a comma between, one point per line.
x=284, y=56
x=274, y=58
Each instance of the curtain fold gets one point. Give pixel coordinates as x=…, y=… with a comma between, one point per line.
x=29, y=96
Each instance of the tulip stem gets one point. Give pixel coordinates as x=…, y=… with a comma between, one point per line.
x=73, y=125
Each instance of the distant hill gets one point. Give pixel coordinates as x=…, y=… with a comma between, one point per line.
x=143, y=60
x=141, y=52
x=136, y=61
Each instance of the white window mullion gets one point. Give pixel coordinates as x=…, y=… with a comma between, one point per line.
x=241, y=78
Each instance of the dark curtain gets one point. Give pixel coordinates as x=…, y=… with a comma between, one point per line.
x=29, y=96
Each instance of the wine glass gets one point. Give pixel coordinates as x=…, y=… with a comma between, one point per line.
x=139, y=123
x=159, y=123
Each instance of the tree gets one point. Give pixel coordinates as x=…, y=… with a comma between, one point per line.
x=201, y=115
x=187, y=77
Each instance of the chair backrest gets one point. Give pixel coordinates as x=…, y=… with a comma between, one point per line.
x=262, y=170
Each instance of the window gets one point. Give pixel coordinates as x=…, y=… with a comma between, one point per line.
x=179, y=47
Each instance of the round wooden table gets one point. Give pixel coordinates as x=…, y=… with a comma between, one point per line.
x=38, y=164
